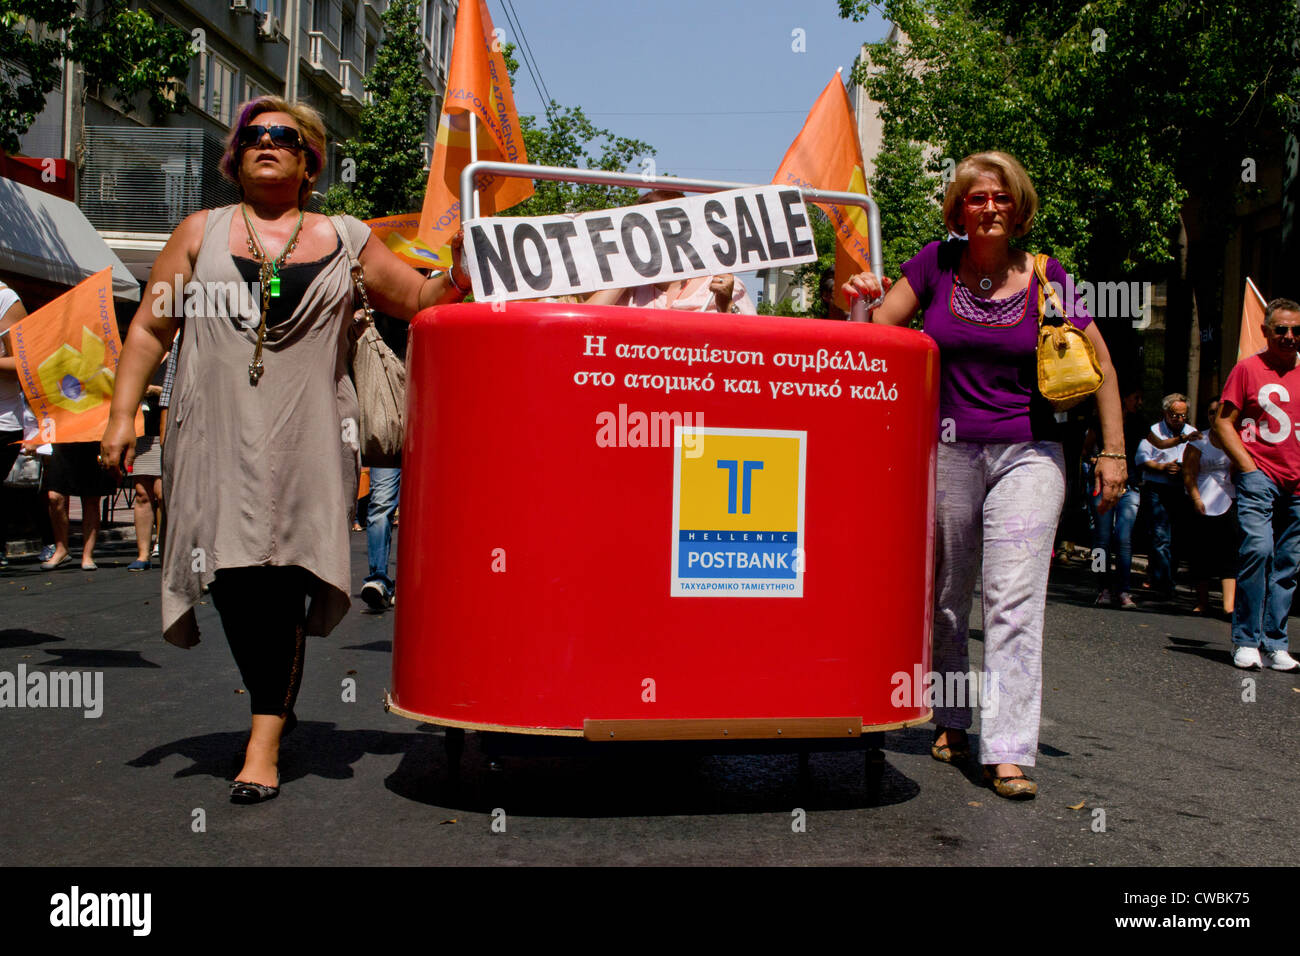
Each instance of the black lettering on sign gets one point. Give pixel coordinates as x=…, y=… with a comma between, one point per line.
x=779, y=250
x=714, y=213
x=498, y=257
x=679, y=239
x=527, y=232
x=749, y=241
x=562, y=233
x=634, y=221
x=600, y=247
x=795, y=220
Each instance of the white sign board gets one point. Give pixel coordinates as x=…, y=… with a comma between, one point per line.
x=740, y=230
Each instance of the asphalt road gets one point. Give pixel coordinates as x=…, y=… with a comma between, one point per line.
x=1144, y=719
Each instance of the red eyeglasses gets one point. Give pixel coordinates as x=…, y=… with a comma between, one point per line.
x=980, y=200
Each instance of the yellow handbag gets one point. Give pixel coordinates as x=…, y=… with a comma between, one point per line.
x=1068, y=371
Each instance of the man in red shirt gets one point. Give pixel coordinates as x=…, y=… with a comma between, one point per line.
x=1259, y=426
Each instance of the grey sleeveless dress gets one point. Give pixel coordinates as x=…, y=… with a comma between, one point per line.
x=264, y=474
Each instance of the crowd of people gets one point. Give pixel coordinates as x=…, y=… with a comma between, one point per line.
x=1223, y=497
x=69, y=470
x=1181, y=494
x=264, y=497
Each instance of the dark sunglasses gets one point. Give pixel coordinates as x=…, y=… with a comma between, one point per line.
x=286, y=137
x=1282, y=331
x=980, y=200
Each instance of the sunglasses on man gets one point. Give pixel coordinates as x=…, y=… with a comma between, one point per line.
x=1282, y=331
x=285, y=137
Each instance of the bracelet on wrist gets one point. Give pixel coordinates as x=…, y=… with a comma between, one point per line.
x=464, y=289
x=1112, y=454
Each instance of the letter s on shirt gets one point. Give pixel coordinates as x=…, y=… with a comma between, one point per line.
x=1266, y=431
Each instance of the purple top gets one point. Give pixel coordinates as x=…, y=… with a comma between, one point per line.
x=988, y=375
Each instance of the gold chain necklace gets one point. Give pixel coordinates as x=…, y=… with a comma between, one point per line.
x=269, y=280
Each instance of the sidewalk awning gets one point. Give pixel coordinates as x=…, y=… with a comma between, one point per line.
x=49, y=238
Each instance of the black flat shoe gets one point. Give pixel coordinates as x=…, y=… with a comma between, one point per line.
x=241, y=791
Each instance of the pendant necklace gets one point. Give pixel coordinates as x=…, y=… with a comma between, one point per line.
x=986, y=278
x=269, y=279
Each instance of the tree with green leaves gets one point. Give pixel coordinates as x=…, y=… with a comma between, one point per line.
x=120, y=49
x=909, y=198
x=387, y=165
x=1120, y=109
x=1140, y=121
x=809, y=275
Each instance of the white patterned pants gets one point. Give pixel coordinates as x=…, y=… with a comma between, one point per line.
x=997, y=505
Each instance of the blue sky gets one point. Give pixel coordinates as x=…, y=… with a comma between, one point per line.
x=650, y=69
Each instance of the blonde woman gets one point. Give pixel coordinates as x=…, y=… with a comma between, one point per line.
x=1001, y=469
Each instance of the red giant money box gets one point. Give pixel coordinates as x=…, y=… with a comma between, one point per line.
x=638, y=524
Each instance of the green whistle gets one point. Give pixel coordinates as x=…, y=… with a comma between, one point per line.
x=275, y=287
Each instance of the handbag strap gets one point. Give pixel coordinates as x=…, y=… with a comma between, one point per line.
x=1045, y=288
x=358, y=276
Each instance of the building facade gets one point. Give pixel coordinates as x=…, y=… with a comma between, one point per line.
x=138, y=176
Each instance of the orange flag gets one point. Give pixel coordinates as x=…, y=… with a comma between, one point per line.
x=399, y=233
x=477, y=84
x=1252, y=317
x=67, y=355
x=826, y=155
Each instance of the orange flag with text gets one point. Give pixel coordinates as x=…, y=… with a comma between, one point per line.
x=479, y=85
x=827, y=155
x=1252, y=317
x=67, y=355
x=400, y=234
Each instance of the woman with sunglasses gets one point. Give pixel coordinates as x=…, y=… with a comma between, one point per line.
x=261, y=457
x=1001, y=470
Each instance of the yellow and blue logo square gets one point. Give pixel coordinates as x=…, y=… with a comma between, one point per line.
x=738, y=511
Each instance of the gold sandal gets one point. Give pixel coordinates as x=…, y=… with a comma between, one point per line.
x=949, y=752
x=1020, y=787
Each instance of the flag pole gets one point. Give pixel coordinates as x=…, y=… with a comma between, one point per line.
x=473, y=157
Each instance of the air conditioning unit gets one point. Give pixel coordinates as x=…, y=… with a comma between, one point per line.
x=268, y=29
x=241, y=6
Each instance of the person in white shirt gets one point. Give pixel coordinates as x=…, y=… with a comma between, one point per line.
x=11, y=400
x=11, y=405
x=720, y=293
x=1162, y=488
x=1207, y=476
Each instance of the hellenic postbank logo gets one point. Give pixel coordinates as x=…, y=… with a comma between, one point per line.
x=738, y=509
